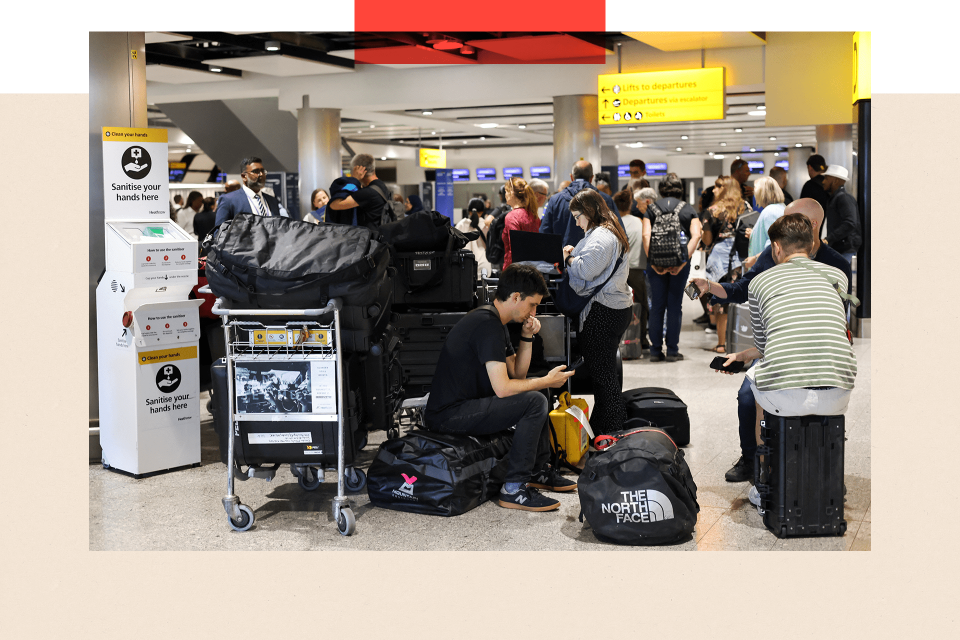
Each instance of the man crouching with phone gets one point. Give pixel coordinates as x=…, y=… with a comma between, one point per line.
x=480, y=388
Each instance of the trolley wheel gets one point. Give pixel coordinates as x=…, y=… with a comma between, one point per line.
x=245, y=521
x=309, y=479
x=355, y=480
x=392, y=433
x=843, y=529
x=346, y=523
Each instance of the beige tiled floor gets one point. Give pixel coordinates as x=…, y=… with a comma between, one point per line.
x=182, y=510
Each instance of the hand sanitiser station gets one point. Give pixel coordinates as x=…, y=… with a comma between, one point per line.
x=148, y=330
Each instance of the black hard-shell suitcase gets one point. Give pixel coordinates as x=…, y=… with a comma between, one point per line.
x=323, y=435
x=663, y=408
x=435, y=279
x=438, y=473
x=383, y=391
x=422, y=336
x=803, y=492
x=739, y=328
x=362, y=326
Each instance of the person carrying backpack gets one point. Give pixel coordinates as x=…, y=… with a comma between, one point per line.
x=671, y=233
x=373, y=201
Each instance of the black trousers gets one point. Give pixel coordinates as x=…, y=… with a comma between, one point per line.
x=528, y=411
x=638, y=282
x=599, y=341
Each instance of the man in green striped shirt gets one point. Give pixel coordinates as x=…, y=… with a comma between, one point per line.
x=799, y=329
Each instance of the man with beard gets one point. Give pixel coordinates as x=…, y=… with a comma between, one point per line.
x=250, y=198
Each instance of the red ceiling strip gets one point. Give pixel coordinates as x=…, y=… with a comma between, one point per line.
x=484, y=15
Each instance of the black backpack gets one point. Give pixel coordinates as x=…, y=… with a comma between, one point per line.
x=495, y=248
x=667, y=248
x=637, y=489
x=387, y=214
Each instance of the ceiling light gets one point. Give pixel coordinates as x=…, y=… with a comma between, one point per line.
x=756, y=113
x=719, y=156
x=372, y=126
x=433, y=133
x=776, y=154
x=273, y=45
x=189, y=150
x=738, y=130
x=487, y=125
x=761, y=107
x=738, y=157
x=446, y=44
x=684, y=137
x=483, y=137
x=723, y=144
x=679, y=148
x=464, y=142
x=468, y=50
x=401, y=141
x=798, y=145
x=216, y=69
x=752, y=149
x=616, y=146
x=710, y=153
x=773, y=137
x=521, y=126
x=428, y=113
x=383, y=157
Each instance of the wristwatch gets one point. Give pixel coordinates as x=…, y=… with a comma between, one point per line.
x=566, y=260
x=522, y=339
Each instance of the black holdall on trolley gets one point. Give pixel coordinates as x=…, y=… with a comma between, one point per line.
x=437, y=473
x=637, y=489
x=279, y=263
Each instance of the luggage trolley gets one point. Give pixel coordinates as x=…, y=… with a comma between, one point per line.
x=288, y=368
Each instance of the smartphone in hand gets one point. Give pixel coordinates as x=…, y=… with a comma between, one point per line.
x=573, y=367
x=692, y=291
x=735, y=367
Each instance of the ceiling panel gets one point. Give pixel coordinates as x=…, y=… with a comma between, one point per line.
x=277, y=65
x=152, y=37
x=180, y=75
x=690, y=40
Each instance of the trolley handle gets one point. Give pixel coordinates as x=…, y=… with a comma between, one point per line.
x=205, y=289
x=220, y=309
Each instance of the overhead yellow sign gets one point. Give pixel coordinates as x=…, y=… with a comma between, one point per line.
x=662, y=96
x=433, y=158
x=861, y=66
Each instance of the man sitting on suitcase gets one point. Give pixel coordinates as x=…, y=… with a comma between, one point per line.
x=480, y=388
x=807, y=364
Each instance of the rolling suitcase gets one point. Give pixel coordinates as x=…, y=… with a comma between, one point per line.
x=277, y=441
x=739, y=328
x=421, y=339
x=663, y=408
x=801, y=488
x=363, y=325
x=383, y=381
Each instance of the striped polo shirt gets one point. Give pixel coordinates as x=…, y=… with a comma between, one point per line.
x=799, y=326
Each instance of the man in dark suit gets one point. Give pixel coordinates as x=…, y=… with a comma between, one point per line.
x=249, y=198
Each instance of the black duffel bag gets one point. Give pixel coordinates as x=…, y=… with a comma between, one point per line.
x=638, y=490
x=425, y=231
x=437, y=473
x=276, y=263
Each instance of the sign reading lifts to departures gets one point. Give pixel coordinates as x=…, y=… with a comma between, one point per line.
x=662, y=96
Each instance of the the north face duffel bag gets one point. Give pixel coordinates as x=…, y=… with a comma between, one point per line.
x=639, y=489
x=279, y=263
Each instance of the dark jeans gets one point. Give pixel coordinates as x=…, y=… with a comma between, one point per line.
x=528, y=411
x=667, y=299
x=747, y=413
x=599, y=341
x=638, y=282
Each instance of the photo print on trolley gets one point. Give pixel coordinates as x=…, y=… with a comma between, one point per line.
x=277, y=387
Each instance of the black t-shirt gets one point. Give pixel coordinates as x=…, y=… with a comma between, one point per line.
x=461, y=372
x=813, y=188
x=687, y=213
x=370, y=203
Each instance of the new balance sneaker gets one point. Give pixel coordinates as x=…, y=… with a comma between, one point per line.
x=742, y=470
x=527, y=499
x=550, y=480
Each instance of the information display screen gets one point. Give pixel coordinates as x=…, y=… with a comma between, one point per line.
x=623, y=171
x=486, y=174
x=512, y=172
x=756, y=166
x=540, y=172
x=461, y=175
x=655, y=169
x=783, y=164
x=176, y=175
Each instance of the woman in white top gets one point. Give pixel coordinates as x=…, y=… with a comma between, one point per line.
x=770, y=198
x=475, y=221
x=601, y=261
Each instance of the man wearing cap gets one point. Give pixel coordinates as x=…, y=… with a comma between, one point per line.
x=843, y=218
x=250, y=198
x=813, y=188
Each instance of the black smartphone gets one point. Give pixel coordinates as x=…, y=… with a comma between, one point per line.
x=692, y=291
x=735, y=367
x=576, y=364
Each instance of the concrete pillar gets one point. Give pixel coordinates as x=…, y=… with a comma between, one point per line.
x=835, y=144
x=797, y=176
x=318, y=143
x=118, y=98
x=576, y=133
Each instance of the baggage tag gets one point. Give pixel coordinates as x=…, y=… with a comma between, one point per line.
x=577, y=413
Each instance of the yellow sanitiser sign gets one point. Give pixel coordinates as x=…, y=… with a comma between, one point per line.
x=662, y=96
x=433, y=158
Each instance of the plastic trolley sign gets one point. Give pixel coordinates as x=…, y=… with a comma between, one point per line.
x=136, y=177
x=662, y=96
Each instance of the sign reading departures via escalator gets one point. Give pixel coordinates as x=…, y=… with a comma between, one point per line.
x=662, y=96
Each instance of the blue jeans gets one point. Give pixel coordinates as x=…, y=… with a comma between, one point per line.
x=666, y=293
x=486, y=416
x=747, y=413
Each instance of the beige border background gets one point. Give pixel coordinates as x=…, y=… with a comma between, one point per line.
x=53, y=587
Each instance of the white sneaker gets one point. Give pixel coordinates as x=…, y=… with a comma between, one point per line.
x=754, y=497
x=709, y=330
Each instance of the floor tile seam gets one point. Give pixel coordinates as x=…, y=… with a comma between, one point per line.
x=853, y=538
x=715, y=522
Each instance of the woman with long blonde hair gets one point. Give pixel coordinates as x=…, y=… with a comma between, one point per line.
x=523, y=216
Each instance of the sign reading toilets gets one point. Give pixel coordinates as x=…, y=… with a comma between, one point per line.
x=136, y=183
